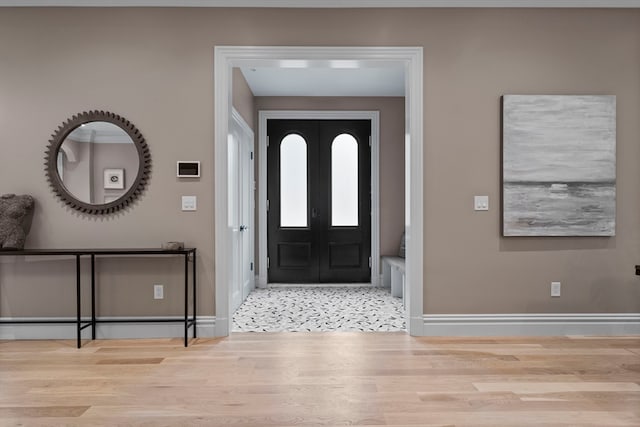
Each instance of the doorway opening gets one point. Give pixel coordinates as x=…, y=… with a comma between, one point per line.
x=321, y=57
x=315, y=264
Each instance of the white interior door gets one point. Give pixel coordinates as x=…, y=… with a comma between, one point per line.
x=241, y=207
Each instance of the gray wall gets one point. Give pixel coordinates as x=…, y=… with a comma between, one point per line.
x=243, y=100
x=155, y=67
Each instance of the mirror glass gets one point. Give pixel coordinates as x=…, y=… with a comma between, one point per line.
x=97, y=162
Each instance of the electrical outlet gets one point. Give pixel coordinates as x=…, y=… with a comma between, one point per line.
x=555, y=289
x=158, y=292
x=481, y=203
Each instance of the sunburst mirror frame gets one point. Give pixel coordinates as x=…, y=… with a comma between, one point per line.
x=59, y=136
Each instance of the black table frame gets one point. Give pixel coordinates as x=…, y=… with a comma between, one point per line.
x=83, y=324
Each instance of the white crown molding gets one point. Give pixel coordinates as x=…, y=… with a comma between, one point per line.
x=328, y=3
x=612, y=324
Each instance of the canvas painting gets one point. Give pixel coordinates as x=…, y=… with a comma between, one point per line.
x=559, y=165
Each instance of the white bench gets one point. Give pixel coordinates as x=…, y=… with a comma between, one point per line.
x=393, y=275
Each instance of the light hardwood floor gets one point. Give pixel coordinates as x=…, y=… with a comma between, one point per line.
x=290, y=379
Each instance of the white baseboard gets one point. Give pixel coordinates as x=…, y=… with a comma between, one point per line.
x=261, y=281
x=222, y=327
x=132, y=329
x=612, y=324
x=206, y=326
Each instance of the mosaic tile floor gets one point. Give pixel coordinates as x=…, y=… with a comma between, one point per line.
x=314, y=308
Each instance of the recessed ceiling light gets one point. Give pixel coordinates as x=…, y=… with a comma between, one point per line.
x=294, y=63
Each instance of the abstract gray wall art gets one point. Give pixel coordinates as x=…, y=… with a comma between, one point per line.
x=559, y=165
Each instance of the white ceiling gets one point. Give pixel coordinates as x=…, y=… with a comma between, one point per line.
x=270, y=81
x=324, y=3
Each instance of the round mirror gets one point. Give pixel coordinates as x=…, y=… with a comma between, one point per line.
x=97, y=162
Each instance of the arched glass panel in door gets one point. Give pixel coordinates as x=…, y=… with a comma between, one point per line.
x=344, y=181
x=293, y=182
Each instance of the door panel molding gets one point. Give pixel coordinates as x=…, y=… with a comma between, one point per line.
x=374, y=118
x=294, y=255
x=345, y=254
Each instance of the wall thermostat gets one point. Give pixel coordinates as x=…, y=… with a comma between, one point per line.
x=188, y=169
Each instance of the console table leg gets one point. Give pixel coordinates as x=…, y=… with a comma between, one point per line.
x=93, y=297
x=78, y=306
x=195, y=300
x=186, y=300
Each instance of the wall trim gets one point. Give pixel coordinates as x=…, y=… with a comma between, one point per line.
x=327, y=3
x=40, y=331
x=374, y=118
x=611, y=324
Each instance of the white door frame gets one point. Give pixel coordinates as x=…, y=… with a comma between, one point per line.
x=227, y=57
x=374, y=117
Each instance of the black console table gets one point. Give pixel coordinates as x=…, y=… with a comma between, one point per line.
x=78, y=253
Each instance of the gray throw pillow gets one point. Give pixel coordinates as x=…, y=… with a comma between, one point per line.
x=401, y=252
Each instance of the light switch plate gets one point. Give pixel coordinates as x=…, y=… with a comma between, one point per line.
x=158, y=292
x=189, y=203
x=481, y=203
x=555, y=289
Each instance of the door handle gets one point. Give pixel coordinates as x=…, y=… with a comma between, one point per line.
x=314, y=213
x=243, y=227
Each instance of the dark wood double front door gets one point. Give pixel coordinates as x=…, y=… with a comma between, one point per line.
x=319, y=201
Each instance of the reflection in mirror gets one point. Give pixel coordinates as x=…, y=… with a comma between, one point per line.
x=98, y=162
x=88, y=157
